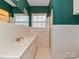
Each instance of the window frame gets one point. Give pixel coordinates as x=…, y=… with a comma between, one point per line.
x=39, y=14
x=24, y=22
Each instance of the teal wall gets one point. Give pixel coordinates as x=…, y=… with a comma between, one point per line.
x=39, y=9
x=30, y=17
x=63, y=12
x=6, y=7
x=21, y=4
x=16, y=10
x=51, y=4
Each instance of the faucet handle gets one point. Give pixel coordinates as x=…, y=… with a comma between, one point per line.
x=19, y=39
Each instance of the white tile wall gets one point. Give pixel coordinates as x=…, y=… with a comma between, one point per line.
x=65, y=41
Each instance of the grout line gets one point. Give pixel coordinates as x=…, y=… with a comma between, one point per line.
x=48, y=51
x=35, y=52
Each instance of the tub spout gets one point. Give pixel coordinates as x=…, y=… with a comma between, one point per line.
x=19, y=39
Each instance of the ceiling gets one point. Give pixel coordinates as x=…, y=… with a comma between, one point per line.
x=32, y=2
x=38, y=2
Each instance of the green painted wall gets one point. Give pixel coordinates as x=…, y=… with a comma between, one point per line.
x=39, y=9
x=30, y=15
x=63, y=12
x=6, y=7
x=21, y=4
x=16, y=10
x=51, y=4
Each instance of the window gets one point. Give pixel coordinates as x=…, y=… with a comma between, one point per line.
x=21, y=20
x=39, y=21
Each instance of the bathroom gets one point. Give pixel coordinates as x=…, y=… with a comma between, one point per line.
x=37, y=29
x=25, y=27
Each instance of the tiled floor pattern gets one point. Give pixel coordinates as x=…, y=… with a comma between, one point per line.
x=43, y=53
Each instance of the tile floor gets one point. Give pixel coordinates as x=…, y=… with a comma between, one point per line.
x=43, y=53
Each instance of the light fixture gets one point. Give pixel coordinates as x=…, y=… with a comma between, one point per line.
x=10, y=2
x=4, y=16
x=4, y=13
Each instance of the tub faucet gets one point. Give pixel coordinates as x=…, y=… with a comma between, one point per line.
x=19, y=39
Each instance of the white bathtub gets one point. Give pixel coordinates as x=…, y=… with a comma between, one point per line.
x=24, y=49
